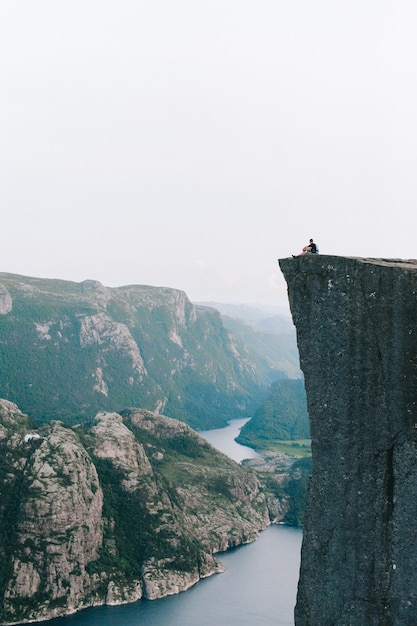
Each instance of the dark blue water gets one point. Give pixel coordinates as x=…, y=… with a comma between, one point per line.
x=258, y=587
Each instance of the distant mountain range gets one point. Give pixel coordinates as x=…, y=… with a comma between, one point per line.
x=254, y=313
x=270, y=336
x=68, y=350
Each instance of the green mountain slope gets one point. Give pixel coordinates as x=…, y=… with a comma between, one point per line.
x=70, y=349
x=277, y=352
x=270, y=338
x=283, y=416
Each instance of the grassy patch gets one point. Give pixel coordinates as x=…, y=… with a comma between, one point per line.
x=299, y=448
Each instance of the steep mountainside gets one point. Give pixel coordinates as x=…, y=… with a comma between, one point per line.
x=129, y=506
x=283, y=415
x=356, y=323
x=271, y=338
x=277, y=351
x=69, y=349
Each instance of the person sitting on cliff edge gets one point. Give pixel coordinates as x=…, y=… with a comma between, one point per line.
x=310, y=248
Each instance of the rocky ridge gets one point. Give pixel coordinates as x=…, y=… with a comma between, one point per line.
x=127, y=506
x=69, y=350
x=356, y=321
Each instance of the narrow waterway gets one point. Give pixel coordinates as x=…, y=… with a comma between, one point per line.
x=223, y=439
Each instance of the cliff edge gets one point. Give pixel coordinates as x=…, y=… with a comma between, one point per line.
x=356, y=321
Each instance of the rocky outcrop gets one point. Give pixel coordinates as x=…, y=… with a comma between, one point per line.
x=356, y=323
x=128, y=506
x=6, y=303
x=53, y=487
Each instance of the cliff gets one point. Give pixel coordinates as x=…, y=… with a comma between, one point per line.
x=126, y=506
x=356, y=322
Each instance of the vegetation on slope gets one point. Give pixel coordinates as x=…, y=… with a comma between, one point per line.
x=282, y=417
x=273, y=341
x=138, y=501
x=69, y=349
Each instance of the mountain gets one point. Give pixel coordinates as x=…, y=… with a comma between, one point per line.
x=252, y=312
x=123, y=507
x=356, y=322
x=283, y=416
x=68, y=350
x=276, y=353
x=270, y=338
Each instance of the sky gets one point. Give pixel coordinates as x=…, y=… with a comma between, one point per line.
x=192, y=143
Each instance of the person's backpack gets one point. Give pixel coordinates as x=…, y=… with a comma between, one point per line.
x=315, y=248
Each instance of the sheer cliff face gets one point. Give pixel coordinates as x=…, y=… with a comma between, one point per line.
x=356, y=323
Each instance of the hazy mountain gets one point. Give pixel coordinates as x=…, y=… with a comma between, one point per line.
x=253, y=312
x=70, y=349
x=271, y=338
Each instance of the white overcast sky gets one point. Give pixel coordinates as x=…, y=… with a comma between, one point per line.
x=191, y=143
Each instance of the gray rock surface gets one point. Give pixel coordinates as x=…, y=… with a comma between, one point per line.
x=356, y=321
x=6, y=303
